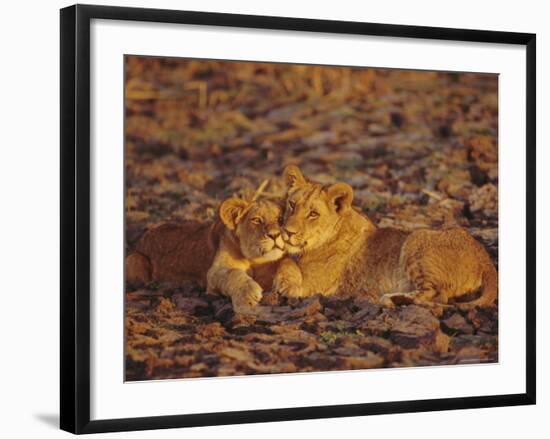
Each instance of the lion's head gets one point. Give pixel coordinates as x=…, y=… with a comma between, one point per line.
x=256, y=225
x=313, y=211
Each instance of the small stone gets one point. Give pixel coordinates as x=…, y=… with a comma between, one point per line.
x=310, y=307
x=415, y=326
x=470, y=354
x=237, y=354
x=189, y=304
x=367, y=311
x=368, y=360
x=456, y=324
x=270, y=298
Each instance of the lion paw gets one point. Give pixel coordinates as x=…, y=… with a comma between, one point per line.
x=287, y=288
x=248, y=295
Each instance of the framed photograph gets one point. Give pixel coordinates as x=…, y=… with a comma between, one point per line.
x=268, y=218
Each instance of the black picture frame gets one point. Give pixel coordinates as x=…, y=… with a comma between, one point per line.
x=75, y=217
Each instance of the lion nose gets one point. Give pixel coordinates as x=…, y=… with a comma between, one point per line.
x=273, y=234
x=289, y=232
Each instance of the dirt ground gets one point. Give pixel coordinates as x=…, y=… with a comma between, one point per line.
x=418, y=148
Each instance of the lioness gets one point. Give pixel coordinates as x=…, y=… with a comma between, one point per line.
x=235, y=255
x=339, y=250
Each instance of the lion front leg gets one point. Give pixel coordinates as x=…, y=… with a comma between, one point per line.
x=236, y=284
x=288, y=279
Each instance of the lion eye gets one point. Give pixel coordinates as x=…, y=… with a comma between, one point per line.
x=256, y=220
x=313, y=214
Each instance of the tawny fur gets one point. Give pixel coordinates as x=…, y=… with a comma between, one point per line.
x=163, y=253
x=338, y=250
x=236, y=255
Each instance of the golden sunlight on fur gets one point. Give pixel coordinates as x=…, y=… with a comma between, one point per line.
x=246, y=260
x=235, y=256
x=336, y=249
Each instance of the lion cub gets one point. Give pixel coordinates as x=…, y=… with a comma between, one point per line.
x=339, y=250
x=236, y=255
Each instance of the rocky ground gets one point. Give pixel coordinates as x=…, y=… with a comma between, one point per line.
x=419, y=149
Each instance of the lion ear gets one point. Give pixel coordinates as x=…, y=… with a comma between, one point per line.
x=293, y=177
x=341, y=195
x=231, y=212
